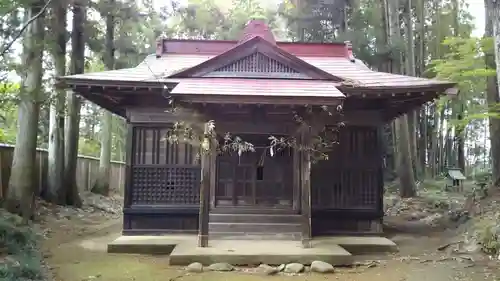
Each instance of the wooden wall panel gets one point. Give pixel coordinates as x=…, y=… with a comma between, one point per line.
x=347, y=189
x=163, y=173
x=164, y=183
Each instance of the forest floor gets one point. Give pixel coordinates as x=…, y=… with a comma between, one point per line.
x=432, y=232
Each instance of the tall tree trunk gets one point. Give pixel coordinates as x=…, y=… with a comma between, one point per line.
x=405, y=170
x=442, y=134
x=492, y=90
x=495, y=16
x=435, y=160
x=410, y=70
x=102, y=184
x=461, y=107
x=423, y=140
x=55, y=173
x=74, y=104
x=20, y=195
x=434, y=155
x=384, y=65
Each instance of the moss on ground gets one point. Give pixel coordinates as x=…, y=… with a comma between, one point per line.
x=21, y=258
x=122, y=267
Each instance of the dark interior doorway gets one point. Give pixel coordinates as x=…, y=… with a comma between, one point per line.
x=255, y=179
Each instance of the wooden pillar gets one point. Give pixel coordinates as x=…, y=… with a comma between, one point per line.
x=305, y=167
x=206, y=153
x=127, y=193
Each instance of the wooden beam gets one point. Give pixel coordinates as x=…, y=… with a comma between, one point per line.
x=104, y=102
x=399, y=108
x=250, y=127
x=263, y=100
x=205, y=190
x=296, y=178
x=128, y=172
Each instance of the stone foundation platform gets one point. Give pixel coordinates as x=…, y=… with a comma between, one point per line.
x=183, y=250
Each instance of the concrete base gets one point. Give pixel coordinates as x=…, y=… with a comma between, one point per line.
x=153, y=245
x=358, y=245
x=253, y=252
x=183, y=249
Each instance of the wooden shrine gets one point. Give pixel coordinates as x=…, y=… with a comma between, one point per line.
x=252, y=88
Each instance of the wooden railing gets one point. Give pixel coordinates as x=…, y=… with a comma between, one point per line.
x=86, y=174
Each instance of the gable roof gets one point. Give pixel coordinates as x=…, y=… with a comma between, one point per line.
x=256, y=69
x=257, y=56
x=154, y=72
x=245, y=54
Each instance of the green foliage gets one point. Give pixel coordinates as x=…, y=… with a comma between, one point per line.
x=483, y=178
x=89, y=147
x=8, y=112
x=208, y=19
x=464, y=64
x=488, y=235
x=18, y=242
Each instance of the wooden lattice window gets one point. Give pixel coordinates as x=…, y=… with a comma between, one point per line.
x=351, y=177
x=165, y=185
x=163, y=173
x=152, y=147
x=257, y=65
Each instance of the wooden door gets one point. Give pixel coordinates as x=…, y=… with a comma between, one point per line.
x=255, y=180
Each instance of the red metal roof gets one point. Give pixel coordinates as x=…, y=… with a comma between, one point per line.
x=215, y=47
x=255, y=45
x=154, y=69
x=254, y=28
x=181, y=59
x=257, y=87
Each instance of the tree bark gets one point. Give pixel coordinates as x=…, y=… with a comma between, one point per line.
x=21, y=191
x=495, y=18
x=441, y=141
x=434, y=153
x=74, y=104
x=408, y=187
x=423, y=140
x=410, y=70
x=492, y=90
x=55, y=174
x=102, y=184
x=384, y=64
x=460, y=134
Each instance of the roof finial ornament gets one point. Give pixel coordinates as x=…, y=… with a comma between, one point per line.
x=348, y=51
x=257, y=26
x=160, y=46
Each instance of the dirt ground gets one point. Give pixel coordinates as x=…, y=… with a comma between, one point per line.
x=77, y=252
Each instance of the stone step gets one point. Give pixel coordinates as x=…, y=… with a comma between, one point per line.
x=257, y=252
x=254, y=227
x=254, y=236
x=255, y=218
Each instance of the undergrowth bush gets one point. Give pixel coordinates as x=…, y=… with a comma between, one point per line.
x=21, y=260
x=487, y=233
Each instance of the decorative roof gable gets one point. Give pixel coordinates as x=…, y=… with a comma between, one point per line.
x=257, y=65
x=256, y=58
x=256, y=55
